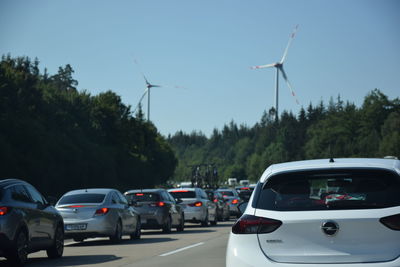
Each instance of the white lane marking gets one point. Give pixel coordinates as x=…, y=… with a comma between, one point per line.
x=181, y=249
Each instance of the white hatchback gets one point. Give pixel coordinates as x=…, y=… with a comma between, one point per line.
x=337, y=212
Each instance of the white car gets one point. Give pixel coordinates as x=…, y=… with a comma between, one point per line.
x=288, y=223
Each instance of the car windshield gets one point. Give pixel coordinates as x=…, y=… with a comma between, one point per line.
x=343, y=189
x=183, y=194
x=144, y=197
x=82, y=198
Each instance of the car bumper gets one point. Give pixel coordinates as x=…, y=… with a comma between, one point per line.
x=97, y=226
x=194, y=214
x=244, y=251
x=151, y=221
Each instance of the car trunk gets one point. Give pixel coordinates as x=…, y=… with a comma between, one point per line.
x=77, y=212
x=300, y=239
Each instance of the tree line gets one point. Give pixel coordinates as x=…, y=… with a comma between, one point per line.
x=59, y=138
x=338, y=129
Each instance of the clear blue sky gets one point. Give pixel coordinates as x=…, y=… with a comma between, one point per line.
x=344, y=48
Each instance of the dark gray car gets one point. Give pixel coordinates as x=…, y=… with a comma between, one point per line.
x=28, y=223
x=157, y=208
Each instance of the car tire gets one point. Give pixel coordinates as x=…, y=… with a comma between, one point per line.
x=181, y=225
x=213, y=223
x=205, y=222
x=57, y=249
x=19, y=256
x=167, y=226
x=117, y=236
x=138, y=231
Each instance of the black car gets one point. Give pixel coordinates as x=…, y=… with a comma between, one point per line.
x=28, y=223
x=157, y=208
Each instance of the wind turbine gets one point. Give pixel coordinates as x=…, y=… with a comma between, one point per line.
x=279, y=68
x=147, y=92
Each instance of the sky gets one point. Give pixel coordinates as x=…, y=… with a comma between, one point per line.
x=202, y=51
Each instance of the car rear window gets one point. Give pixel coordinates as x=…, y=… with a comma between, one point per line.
x=183, y=194
x=82, y=198
x=144, y=197
x=330, y=190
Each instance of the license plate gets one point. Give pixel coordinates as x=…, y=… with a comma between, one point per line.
x=78, y=226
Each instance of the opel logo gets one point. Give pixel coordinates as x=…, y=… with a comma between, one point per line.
x=330, y=228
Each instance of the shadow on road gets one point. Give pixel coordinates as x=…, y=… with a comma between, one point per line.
x=67, y=260
x=105, y=242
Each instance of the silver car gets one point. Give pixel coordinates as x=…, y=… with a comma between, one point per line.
x=28, y=223
x=98, y=212
x=196, y=205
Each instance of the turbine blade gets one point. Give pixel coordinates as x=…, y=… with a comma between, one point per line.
x=263, y=66
x=144, y=77
x=290, y=41
x=144, y=94
x=289, y=85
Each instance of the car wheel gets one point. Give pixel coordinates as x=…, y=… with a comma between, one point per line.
x=181, y=225
x=57, y=249
x=167, y=226
x=138, y=231
x=215, y=220
x=205, y=222
x=20, y=254
x=117, y=237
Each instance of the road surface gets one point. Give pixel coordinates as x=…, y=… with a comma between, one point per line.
x=196, y=246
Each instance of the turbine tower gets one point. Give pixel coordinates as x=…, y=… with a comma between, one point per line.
x=279, y=68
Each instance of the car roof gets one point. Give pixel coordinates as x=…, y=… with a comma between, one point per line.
x=183, y=188
x=157, y=190
x=335, y=163
x=8, y=182
x=90, y=190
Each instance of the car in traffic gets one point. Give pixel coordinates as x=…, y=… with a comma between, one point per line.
x=28, y=223
x=196, y=205
x=157, y=208
x=244, y=192
x=286, y=223
x=233, y=199
x=220, y=202
x=98, y=212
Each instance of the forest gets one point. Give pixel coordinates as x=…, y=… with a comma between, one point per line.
x=337, y=129
x=59, y=138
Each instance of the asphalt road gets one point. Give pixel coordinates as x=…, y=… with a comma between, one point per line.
x=196, y=246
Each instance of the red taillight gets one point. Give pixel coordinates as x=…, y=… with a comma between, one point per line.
x=235, y=201
x=76, y=206
x=4, y=210
x=196, y=204
x=158, y=204
x=101, y=211
x=249, y=224
x=139, y=194
x=392, y=222
x=215, y=200
x=180, y=191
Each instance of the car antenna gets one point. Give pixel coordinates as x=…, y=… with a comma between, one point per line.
x=330, y=153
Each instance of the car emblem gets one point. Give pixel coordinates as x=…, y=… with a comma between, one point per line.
x=330, y=228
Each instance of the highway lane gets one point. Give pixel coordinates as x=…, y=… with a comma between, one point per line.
x=196, y=246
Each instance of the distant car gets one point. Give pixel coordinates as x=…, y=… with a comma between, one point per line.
x=233, y=199
x=287, y=223
x=28, y=223
x=222, y=204
x=244, y=192
x=98, y=212
x=196, y=205
x=157, y=208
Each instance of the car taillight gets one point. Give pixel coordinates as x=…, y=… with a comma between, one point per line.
x=249, y=224
x=235, y=201
x=76, y=206
x=4, y=210
x=392, y=222
x=101, y=211
x=196, y=204
x=158, y=204
x=215, y=200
